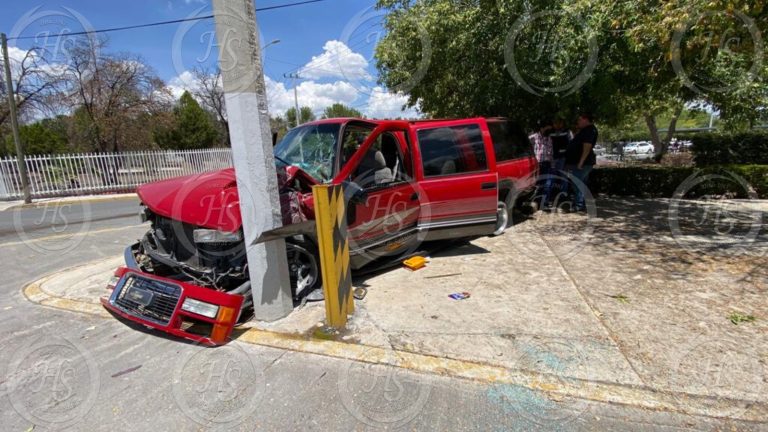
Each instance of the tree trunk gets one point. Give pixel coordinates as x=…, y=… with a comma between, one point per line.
x=661, y=151
x=650, y=121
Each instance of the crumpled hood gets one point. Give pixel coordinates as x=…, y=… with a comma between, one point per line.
x=210, y=200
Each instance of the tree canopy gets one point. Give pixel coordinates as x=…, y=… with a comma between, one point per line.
x=340, y=110
x=192, y=127
x=543, y=58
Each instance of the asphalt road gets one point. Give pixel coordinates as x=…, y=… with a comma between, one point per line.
x=65, y=371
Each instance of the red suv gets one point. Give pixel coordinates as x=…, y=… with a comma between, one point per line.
x=407, y=183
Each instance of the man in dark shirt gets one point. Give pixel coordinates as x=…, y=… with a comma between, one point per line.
x=580, y=157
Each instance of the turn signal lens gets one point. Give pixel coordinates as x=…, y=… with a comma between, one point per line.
x=224, y=323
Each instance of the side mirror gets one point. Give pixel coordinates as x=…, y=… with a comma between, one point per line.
x=354, y=194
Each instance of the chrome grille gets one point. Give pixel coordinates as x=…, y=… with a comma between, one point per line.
x=157, y=306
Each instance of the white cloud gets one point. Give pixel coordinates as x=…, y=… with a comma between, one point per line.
x=385, y=105
x=315, y=95
x=337, y=61
x=181, y=83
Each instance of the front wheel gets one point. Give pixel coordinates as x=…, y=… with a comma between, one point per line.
x=304, y=267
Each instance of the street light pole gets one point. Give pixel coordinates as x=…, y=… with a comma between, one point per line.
x=22, y=166
x=295, y=77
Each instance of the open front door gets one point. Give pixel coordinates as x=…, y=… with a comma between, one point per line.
x=458, y=179
x=382, y=218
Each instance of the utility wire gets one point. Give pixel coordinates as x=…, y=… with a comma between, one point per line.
x=131, y=27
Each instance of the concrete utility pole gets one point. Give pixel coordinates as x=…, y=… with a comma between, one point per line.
x=246, y=100
x=296, y=77
x=15, y=122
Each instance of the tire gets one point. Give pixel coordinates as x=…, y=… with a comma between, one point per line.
x=503, y=217
x=303, y=267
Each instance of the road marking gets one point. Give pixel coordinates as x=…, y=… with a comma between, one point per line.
x=67, y=236
x=642, y=396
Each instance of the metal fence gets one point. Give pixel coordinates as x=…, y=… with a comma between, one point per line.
x=86, y=173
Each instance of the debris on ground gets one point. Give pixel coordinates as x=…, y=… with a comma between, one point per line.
x=443, y=276
x=127, y=371
x=621, y=298
x=415, y=263
x=737, y=318
x=360, y=293
x=460, y=296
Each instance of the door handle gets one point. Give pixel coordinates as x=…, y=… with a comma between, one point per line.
x=488, y=186
x=415, y=197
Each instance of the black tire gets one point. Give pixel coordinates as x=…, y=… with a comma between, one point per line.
x=304, y=267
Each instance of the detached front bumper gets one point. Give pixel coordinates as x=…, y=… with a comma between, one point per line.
x=159, y=303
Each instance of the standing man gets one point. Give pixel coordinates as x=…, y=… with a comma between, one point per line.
x=580, y=157
x=542, y=149
x=560, y=137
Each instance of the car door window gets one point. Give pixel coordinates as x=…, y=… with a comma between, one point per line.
x=382, y=163
x=452, y=150
x=509, y=141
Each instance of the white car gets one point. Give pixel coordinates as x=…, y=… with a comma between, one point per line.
x=644, y=148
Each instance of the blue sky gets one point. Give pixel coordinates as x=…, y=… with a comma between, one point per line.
x=331, y=43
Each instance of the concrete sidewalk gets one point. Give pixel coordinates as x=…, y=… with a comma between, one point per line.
x=6, y=205
x=622, y=306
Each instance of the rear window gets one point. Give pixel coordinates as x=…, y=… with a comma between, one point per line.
x=509, y=141
x=452, y=150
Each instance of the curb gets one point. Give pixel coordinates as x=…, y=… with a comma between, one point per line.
x=70, y=200
x=557, y=387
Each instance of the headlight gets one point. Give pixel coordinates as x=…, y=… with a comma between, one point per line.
x=143, y=214
x=215, y=236
x=200, y=308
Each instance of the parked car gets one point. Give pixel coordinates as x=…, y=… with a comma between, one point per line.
x=408, y=182
x=599, y=150
x=644, y=148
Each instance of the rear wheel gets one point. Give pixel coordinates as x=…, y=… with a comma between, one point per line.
x=304, y=267
x=502, y=217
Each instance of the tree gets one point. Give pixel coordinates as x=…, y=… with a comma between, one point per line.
x=209, y=90
x=35, y=84
x=306, y=115
x=192, y=127
x=113, y=95
x=340, y=110
x=44, y=137
x=540, y=58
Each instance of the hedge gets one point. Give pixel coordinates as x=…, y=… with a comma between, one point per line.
x=735, y=181
x=737, y=148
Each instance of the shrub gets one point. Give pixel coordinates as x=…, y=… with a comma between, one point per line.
x=737, y=148
x=735, y=181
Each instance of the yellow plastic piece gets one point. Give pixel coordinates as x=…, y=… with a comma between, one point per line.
x=415, y=263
